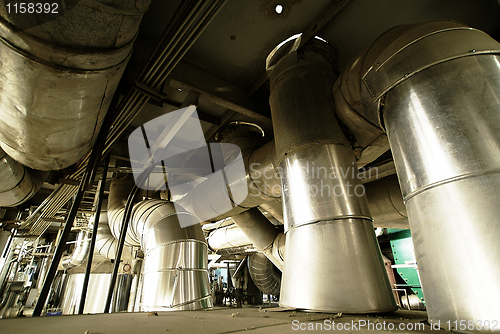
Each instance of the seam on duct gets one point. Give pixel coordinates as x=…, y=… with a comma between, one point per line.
x=154, y=226
x=90, y=63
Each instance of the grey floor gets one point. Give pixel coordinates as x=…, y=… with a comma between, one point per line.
x=221, y=320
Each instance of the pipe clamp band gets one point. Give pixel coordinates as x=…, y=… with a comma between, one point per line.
x=398, y=61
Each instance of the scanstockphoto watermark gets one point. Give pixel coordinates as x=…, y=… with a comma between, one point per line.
x=320, y=180
x=356, y=325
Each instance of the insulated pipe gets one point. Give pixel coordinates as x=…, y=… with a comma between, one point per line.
x=386, y=203
x=260, y=231
x=260, y=178
x=80, y=252
x=329, y=234
x=174, y=273
x=106, y=244
x=58, y=87
x=440, y=110
x=233, y=237
x=17, y=183
x=228, y=237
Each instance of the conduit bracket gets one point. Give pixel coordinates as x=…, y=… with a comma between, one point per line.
x=148, y=91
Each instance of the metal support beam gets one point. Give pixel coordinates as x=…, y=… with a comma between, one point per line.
x=328, y=14
x=222, y=102
x=123, y=231
x=86, y=180
x=100, y=196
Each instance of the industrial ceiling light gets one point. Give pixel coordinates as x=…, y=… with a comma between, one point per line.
x=278, y=9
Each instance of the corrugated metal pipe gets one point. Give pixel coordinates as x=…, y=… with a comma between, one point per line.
x=264, y=274
x=330, y=238
x=174, y=273
x=434, y=88
x=17, y=183
x=261, y=232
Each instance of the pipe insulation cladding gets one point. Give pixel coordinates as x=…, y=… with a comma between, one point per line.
x=330, y=238
x=440, y=111
x=17, y=183
x=55, y=90
x=174, y=273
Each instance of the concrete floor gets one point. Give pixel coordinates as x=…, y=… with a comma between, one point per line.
x=220, y=320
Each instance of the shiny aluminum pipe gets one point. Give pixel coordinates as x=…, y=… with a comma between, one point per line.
x=386, y=203
x=174, y=273
x=106, y=244
x=80, y=252
x=261, y=180
x=228, y=237
x=233, y=237
x=332, y=259
x=58, y=87
x=17, y=183
x=440, y=110
x=260, y=231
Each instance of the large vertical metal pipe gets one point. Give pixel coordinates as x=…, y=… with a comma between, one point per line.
x=441, y=114
x=332, y=258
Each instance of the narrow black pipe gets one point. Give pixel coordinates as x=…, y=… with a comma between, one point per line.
x=87, y=179
x=64, y=235
x=94, y=234
x=123, y=232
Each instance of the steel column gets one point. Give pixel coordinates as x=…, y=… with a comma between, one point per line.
x=86, y=180
x=123, y=232
x=100, y=197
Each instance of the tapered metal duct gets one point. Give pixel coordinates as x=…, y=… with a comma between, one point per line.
x=80, y=253
x=174, y=275
x=332, y=258
x=435, y=89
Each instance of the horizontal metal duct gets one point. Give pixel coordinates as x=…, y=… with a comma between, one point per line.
x=56, y=90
